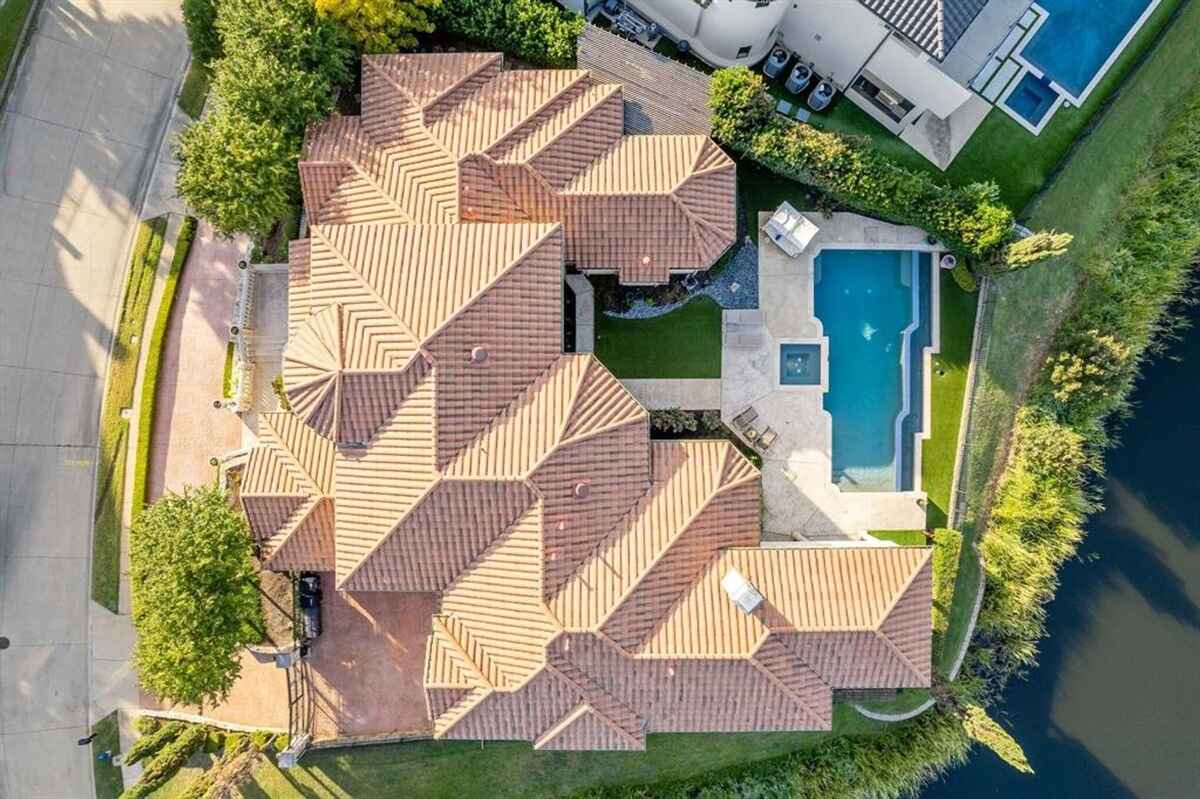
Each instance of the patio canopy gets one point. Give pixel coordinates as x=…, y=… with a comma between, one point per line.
x=790, y=229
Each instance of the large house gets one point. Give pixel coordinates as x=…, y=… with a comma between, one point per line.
x=593, y=585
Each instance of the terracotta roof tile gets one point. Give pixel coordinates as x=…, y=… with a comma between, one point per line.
x=587, y=728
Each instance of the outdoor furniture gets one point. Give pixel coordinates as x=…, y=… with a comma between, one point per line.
x=802, y=114
x=629, y=22
x=820, y=97
x=745, y=417
x=790, y=230
x=767, y=439
x=745, y=341
x=750, y=434
x=799, y=79
x=784, y=107
x=745, y=318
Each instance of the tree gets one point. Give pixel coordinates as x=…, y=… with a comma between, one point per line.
x=1038, y=247
x=381, y=26
x=537, y=31
x=254, y=84
x=983, y=728
x=200, y=18
x=292, y=32
x=237, y=172
x=739, y=104
x=195, y=595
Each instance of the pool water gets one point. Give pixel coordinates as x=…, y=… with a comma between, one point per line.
x=800, y=364
x=1032, y=99
x=1078, y=38
x=869, y=302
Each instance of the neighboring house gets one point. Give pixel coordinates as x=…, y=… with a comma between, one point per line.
x=458, y=139
x=593, y=585
x=905, y=62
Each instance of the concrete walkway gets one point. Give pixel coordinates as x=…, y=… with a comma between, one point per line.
x=690, y=395
x=77, y=137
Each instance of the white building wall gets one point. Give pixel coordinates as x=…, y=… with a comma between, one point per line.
x=717, y=33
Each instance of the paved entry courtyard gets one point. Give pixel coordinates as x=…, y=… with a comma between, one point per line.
x=802, y=503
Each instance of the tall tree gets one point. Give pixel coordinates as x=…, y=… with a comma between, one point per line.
x=200, y=19
x=1038, y=247
x=381, y=26
x=987, y=731
x=238, y=172
x=195, y=595
x=253, y=83
x=292, y=31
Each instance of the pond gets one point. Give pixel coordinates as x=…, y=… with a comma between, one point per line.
x=1113, y=709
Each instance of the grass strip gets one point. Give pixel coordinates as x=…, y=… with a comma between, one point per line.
x=108, y=779
x=12, y=22
x=194, y=92
x=685, y=343
x=147, y=401
x=948, y=387
x=904, y=538
x=114, y=427
x=906, y=701
x=227, y=373
x=947, y=645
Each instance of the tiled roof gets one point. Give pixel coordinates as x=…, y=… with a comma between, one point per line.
x=933, y=25
x=440, y=441
x=451, y=137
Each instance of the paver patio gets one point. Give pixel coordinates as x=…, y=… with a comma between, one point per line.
x=801, y=501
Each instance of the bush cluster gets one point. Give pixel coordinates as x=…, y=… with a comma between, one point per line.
x=538, y=31
x=154, y=740
x=168, y=761
x=969, y=219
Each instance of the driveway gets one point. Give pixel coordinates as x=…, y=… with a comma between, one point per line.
x=77, y=138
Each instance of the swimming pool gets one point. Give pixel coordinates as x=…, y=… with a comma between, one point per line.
x=1033, y=98
x=800, y=364
x=1077, y=40
x=874, y=308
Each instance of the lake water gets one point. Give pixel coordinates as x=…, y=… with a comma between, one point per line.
x=1113, y=710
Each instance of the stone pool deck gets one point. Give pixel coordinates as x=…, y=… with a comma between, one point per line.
x=801, y=501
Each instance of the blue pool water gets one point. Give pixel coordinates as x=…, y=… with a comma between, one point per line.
x=800, y=364
x=1032, y=99
x=1078, y=38
x=865, y=300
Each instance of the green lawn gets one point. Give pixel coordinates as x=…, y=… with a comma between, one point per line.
x=109, y=783
x=195, y=90
x=114, y=428
x=12, y=19
x=467, y=770
x=904, y=538
x=948, y=385
x=966, y=588
x=907, y=700
x=1083, y=198
x=683, y=343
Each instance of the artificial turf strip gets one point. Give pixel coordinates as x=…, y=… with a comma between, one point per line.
x=512, y=769
x=948, y=386
x=195, y=89
x=114, y=429
x=109, y=783
x=12, y=20
x=904, y=538
x=147, y=400
x=685, y=343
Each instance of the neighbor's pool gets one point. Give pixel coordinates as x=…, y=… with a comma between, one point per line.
x=869, y=303
x=1075, y=42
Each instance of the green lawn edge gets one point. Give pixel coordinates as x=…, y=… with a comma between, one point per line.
x=12, y=22
x=112, y=452
x=194, y=92
x=109, y=783
x=147, y=400
x=684, y=343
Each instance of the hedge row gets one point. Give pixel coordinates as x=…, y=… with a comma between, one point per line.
x=538, y=31
x=168, y=761
x=970, y=219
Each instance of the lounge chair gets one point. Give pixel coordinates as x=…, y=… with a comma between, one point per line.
x=746, y=341
x=751, y=435
x=745, y=417
x=767, y=439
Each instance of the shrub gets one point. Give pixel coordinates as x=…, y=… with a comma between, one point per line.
x=1087, y=373
x=673, y=420
x=710, y=422
x=254, y=83
x=381, y=26
x=260, y=739
x=150, y=743
x=281, y=742
x=1032, y=249
x=970, y=219
x=214, y=742
x=144, y=725
x=292, y=31
x=168, y=761
x=963, y=278
x=538, y=31
x=238, y=172
x=195, y=595
x=200, y=19
x=987, y=731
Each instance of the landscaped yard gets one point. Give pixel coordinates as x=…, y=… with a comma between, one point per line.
x=109, y=783
x=195, y=89
x=465, y=769
x=948, y=385
x=12, y=20
x=1082, y=200
x=683, y=343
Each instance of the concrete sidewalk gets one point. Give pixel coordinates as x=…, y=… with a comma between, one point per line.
x=77, y=137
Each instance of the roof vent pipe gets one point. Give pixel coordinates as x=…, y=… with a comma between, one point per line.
x=743, y=594
x=479, y=355
x=581, y=490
